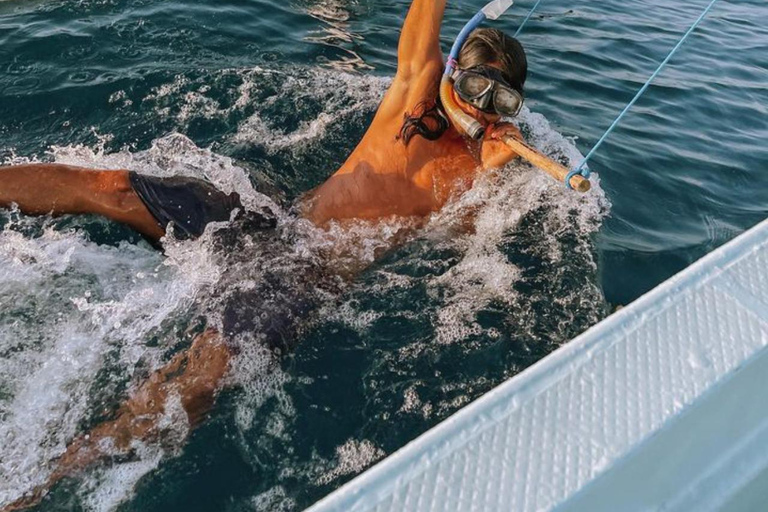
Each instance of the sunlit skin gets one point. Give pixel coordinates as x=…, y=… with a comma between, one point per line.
x=381, y=178
x=385, y=177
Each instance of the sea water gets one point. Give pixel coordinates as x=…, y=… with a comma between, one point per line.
x=267, y=99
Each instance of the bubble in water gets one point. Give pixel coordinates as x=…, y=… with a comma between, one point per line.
x=352, y=457
x=273, y=500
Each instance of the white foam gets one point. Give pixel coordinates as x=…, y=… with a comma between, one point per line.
x=51, y=363
x=105, y=489
x=499, y=201
x=413, y=404
x=89, y=304
x=273, y=500
x=255, y=370
x=352, y=457
x=349, y=314
x=341, y=96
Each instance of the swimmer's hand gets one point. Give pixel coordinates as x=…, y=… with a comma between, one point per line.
x=495, y=153
x=498, y=131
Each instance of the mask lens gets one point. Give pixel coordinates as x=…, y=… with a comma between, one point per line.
x=507, y=102
x=473, y=86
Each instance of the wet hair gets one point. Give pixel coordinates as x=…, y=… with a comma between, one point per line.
x=427, y=120
x=488, y=45
x=483, y=46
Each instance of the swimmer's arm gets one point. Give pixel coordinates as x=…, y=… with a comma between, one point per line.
x=495, y=153
x=419, y=44
x=40, y=189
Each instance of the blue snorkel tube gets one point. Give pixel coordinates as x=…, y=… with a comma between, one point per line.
x=473, y=129
x=466, y=123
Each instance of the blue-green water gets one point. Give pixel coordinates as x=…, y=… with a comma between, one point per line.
x=274, y=96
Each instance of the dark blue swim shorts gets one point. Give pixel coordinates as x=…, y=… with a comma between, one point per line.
x=190, y=204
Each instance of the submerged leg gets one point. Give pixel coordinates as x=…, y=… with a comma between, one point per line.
x=40, y=189
x=194, y=375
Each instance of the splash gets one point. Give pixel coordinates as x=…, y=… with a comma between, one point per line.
x=172, y=155
x=504, y=208
x=264, y=102
x=100, y=318
x=105, y=489
x=501, y=202
x=90, y=308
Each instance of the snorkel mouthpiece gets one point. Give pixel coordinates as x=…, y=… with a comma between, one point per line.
x=463, y=121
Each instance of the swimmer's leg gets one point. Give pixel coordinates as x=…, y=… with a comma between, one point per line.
x=195, y=375
x=40, y=189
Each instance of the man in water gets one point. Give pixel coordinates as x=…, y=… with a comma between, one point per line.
x=410, y=162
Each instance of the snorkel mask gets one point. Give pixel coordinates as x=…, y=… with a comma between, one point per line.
x=485, y=88
x=466, y=123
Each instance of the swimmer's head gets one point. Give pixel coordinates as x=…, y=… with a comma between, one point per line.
x=484, y=47
x=490, y=48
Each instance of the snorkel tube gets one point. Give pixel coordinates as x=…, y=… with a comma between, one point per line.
x=473, y=129
x=465, y=122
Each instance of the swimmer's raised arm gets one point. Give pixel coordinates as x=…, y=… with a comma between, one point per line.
x=419, y=44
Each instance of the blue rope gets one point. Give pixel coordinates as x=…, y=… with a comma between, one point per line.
x=520, y=28
x=580, y=168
